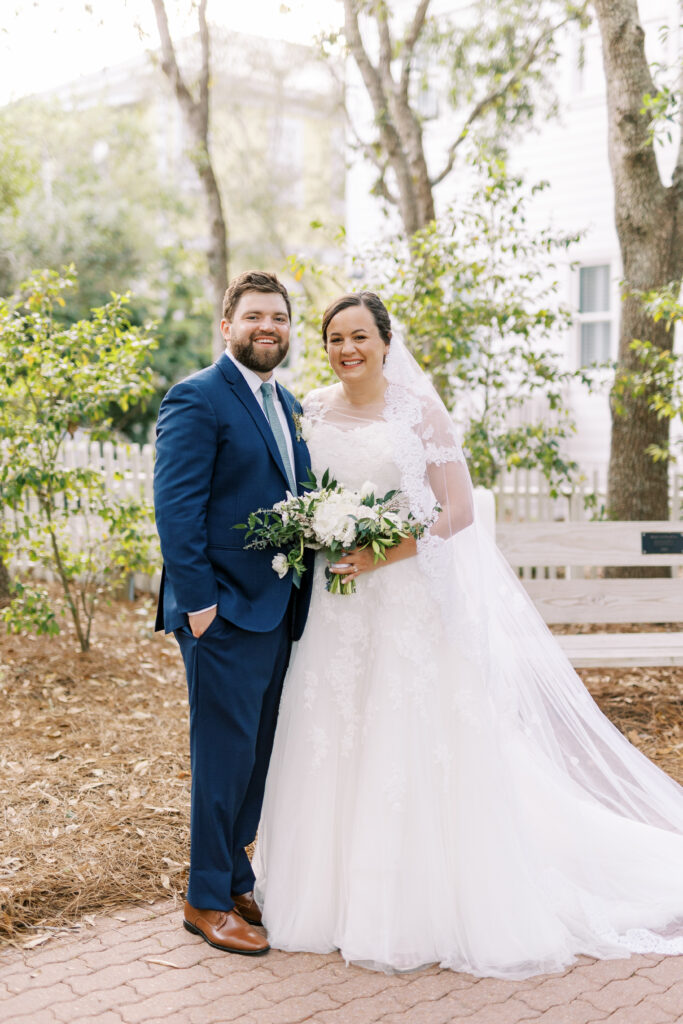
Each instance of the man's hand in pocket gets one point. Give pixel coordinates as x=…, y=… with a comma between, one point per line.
x=200, y=621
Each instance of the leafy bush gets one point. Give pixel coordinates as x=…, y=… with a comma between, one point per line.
x=58, y=378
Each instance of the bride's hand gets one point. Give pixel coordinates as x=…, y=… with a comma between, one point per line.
x=352, y=563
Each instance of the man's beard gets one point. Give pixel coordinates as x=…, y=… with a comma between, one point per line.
x=260, y=361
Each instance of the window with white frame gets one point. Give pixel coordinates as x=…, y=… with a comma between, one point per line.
x=595, y=314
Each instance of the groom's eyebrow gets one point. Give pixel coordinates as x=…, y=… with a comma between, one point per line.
x=259, y=312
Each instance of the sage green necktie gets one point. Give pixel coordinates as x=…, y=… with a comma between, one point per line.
x=278, y=433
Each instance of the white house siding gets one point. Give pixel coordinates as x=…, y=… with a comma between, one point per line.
x=570, y=152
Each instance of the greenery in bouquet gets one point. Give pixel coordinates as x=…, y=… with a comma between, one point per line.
x=334, y=518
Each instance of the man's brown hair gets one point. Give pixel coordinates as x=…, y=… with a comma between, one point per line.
x=252, y=281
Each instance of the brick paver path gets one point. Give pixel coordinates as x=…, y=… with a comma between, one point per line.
x=141, y=967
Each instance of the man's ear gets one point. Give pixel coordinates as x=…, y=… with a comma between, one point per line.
x=225, y=329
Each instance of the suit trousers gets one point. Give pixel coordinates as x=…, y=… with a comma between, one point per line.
x=234, y=681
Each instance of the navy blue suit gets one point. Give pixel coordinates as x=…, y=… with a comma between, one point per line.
x=216, y=461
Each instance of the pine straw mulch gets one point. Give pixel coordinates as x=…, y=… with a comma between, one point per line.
x=94, y=767
x=94, y=773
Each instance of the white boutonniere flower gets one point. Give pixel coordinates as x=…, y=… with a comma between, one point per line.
x=302, y=425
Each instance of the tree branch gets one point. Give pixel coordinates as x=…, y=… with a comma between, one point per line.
x=385, y=45
x=409, y=42
x=497, y=94
x=196, y=114
x=381, y=189
x=203, y=105
x=370, y=153
x=367, y=69
x=169, y=61
x=374, y=84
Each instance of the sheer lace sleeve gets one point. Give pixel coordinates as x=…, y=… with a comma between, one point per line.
x=433, y=469
x=447, y=473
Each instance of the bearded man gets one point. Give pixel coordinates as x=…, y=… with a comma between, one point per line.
x=227, y=445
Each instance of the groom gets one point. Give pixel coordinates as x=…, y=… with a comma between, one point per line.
x=227, y=444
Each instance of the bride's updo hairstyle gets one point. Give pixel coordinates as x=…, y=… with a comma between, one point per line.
x=372, y=302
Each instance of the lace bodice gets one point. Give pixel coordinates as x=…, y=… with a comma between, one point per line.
x=354, y=456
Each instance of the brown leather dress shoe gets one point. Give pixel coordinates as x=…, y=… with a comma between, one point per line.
x=248, y=908
x=226, y=930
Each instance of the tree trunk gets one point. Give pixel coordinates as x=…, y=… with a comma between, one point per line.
x=648, y=218
x=217, y=253
x=637, y=486
x=419, y=187
x=5, y=585
x=196, y=114
x=400, y=133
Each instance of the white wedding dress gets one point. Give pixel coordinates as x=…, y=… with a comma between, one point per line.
x=442, y=788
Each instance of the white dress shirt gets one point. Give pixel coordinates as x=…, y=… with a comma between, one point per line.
x=255, y=382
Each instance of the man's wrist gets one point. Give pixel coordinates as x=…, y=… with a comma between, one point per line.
x=201, y=611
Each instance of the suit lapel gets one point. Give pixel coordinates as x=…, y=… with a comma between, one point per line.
x=243, y=392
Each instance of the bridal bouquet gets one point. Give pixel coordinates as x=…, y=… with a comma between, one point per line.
x=332, y=517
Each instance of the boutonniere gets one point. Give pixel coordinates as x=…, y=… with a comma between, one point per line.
x=298, y=426
x=301, y=426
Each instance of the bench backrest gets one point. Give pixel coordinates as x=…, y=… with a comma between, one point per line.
x=586, y=548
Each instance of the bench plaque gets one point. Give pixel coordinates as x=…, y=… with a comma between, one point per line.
x=661, y=543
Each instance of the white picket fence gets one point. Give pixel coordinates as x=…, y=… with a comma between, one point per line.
x=524, y=496
x=128, y=471
x=520, y=495
x=128, y=468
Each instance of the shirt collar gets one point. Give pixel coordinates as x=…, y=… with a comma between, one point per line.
x=252, y=378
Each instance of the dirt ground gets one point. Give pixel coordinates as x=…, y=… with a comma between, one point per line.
x=94, y=767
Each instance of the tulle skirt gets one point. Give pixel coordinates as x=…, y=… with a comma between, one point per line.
x=409, y=819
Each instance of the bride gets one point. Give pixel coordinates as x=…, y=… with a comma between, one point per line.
x=442, y=788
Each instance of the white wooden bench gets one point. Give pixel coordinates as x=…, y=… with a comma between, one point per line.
x=581, y=548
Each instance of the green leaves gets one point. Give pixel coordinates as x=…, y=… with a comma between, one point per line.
x=654, y=374
x=475, y=298
x=57, y=379
x=30, y=610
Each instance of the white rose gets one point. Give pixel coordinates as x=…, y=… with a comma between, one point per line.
x=332, y=518
x=367, y=489
x=280, y=565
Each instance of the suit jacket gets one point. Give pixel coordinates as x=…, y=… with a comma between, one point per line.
x=216, y=461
